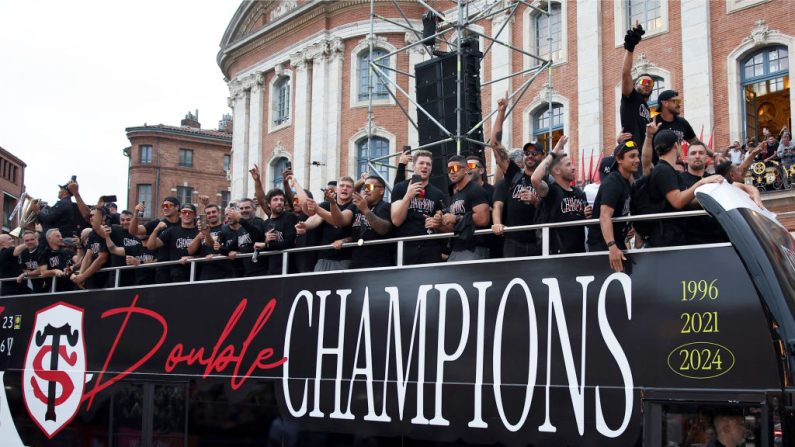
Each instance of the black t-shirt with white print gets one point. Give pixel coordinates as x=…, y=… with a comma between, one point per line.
x=516, y=212
x=132, y=246
x=614, y=192
x=161, y=254
x=330, y=233
x=216, y=269
x=425, y=204
x=58, y=259
x=284, y=227
x=176, y=240
x=679, y=126
x=374, y=255
x=561, y=205
x=461, y=203
x=29, y=261
x=635, y=115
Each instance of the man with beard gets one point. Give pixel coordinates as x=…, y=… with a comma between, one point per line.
x=477, y=169
x=29, y=261
x=170, y=208
x=669, y=117
x=254, y=227
x=635, y=112
x=516, y=200
x=55, y=262
x=561, y=202
x=10, y=266
x=702, y=229
x=125, y=248
x=329, y=220
x=209, y=245
x=469, y=210
x=371, y=221
x=234, y=237
x=279, y=231
x=95, y=257
x=611, y=201
x=176, y=240
x=416, y=210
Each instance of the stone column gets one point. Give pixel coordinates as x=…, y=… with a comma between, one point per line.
x=318, y=134
x=697, y=65
x=333, y=148
x=238, y=102
x=301, y=167
x=255, y=119
x=589, y=82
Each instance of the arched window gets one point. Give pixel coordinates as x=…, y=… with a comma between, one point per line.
x=365, y=76
x=765, y=84
x=646, y=12
x=543, y=122
x=659, y=86
x=280, y=110
x=379, y=147
x=277, y=167
x=542, y=22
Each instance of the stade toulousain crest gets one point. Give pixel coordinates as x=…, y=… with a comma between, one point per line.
x=55, y=367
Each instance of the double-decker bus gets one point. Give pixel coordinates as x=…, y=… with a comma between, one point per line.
x=537, y=351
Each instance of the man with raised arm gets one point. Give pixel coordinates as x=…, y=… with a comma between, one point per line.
x=371, y=221
x=561, y=202
x=611, y=201
x=416, y=210
x=500, y=152
x=635, y=93
x=279, y=231
x=176, y=240
x=170, y=210
x=259, y=191
x=125, y=248
x=469, y=210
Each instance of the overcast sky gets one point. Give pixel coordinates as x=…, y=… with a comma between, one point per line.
x=75, y=74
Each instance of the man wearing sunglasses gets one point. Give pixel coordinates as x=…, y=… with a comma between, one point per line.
x=170, y=210
x=469, y=207
x=371, y=221
x=176, y=240
x=515, y=203
x=635, y=93
x=669, y=118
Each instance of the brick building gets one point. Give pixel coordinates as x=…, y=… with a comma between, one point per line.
x=12, y=183
x=293, y=69
x=183, y=161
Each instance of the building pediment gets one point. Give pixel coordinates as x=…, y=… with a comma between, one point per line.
x=254, y=15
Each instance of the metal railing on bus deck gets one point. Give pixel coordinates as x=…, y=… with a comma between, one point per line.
x=399, y=241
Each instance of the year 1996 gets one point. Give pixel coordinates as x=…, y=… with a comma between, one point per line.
x=699, y=290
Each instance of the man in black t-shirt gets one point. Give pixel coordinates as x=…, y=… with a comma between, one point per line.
x=176, y=240
x=210, y=245
x=669, y=117
x=279, y=231
x=561, y=202
x=634, y=94
x=612, y=201
x=170, y=209
x=11, y=267
x=477, y=169
x=702, y=229
x=67, y=216
x=416, y=210
x=125, y=249
x=95, y=257
x=371, y=220
x=55, y=262
x=329, y=219
x=469, y=211
x=29, y=262
x=516, y=200
x=666, y=185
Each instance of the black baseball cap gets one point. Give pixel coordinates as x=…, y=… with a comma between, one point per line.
x=173, y=200
x=665, y=95
x=620, y=150
x=531, y=146
x=664, y=140
x=188, y=206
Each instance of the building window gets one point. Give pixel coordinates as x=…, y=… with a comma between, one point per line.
x=145, y=197
x=659, y=86
x=543, y=122
x=377, y=149
x=765, y=87
x=145, y=154
x=277, y=167
x=185, y=194
x=281, y=101
x=227, y=163
x=646, y=12
x=543, y=23
x=365, y=75
x=186, y=158
x=225, y=199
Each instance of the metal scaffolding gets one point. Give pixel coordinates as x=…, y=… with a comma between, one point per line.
x=453, y=25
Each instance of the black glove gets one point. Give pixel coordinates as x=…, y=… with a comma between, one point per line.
x=633, y=37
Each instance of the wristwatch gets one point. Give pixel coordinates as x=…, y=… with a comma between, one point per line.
x=610, y=243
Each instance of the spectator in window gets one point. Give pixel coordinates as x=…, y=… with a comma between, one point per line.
x=56, y=262
x=10, y=266
x=371, y=220
x=124, y=248
x=735, y=153
x=612, y=201
x=329, y=219
x=29, y=261
x=279, y=231
x=416, y=210
x=176, y=240
x=666, y=188
x=769, y=149
x=170, y=209
x=635, y=94
x=561, y=202
x=469, y=210
x=786, y=151
x=67, y=216
x=515, y=202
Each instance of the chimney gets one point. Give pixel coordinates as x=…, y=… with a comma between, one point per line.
x=225, y=125
x=191, y=120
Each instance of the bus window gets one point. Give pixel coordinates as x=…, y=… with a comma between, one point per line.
x=168, y=416
x=127, y=407
x=703, y=425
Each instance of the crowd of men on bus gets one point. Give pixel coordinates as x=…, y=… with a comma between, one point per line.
x=645, y=175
